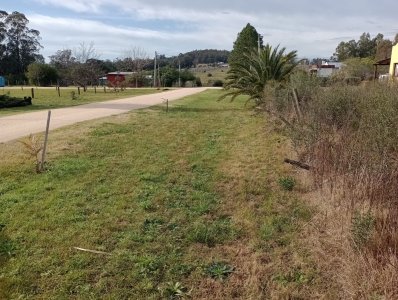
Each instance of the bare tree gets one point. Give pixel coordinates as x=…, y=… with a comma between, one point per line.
x=85, y=52
x=137, y=58
x=86, y=70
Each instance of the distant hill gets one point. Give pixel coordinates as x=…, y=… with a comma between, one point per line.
x=193, y=58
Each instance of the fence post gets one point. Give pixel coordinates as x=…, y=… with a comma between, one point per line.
x=33, y=93
x=43, y=157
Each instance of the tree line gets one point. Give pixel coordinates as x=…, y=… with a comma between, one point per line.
x=22, y=63
x=376, y=48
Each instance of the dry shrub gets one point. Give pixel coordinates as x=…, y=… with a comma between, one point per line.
x=350, y=137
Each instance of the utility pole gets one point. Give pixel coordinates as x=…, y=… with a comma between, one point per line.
x=154, y=71
x=258, y=43
x=179, y=73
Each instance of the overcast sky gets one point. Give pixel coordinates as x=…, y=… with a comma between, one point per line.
x=313, y=27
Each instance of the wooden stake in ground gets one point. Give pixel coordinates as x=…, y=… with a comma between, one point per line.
x=33, y=93
x=43, y=157
x=167, y=104
x=297, y=104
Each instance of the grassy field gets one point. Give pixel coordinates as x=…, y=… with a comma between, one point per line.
x=208, y=75
x=47, y=98
x=195, y=203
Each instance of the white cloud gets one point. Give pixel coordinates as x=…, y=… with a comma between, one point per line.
x=311, y=28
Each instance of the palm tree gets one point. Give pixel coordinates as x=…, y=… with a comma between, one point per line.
x=251, y=75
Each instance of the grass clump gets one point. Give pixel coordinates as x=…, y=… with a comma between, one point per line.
x=362, y=226
x=287, y=183
x=211, y=233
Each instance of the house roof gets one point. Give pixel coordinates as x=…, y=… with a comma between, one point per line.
x=121, y=73
x=383, y=62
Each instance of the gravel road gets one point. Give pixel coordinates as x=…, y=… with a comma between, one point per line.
x=20, y=125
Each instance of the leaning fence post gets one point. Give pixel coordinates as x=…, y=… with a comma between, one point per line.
x=43, y=157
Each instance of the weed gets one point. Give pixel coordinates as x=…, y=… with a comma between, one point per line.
x=73, y=95
x=175, y=291
x=287, y=183
x=294, y=276
x=219, y=270
x=33, y=147
x=150, y=266
x=362, y=226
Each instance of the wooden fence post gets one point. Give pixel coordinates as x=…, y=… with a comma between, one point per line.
x=43, y=157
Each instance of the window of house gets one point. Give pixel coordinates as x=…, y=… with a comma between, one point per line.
x=395, y=70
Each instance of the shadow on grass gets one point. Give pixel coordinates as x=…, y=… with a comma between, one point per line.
x=195, y=109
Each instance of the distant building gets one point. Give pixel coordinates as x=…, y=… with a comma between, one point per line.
x=2, y=81
x=116, y=78
x=394, y=63
x=326, y=69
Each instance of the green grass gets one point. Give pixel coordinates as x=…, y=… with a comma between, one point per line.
x=166, y=195
x=47, y=98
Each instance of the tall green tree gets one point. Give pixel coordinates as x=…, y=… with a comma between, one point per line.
x=246, y=41
x=20, y=44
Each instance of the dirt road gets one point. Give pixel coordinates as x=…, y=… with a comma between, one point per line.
x=20, y=125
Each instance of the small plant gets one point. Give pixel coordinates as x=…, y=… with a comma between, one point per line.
x=73, y=95
x=33, y=148
x=361, y=228
x=219, y=270
x=175, y=291
x=287, y=183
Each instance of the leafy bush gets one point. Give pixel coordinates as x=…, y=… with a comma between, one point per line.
x=218, y=83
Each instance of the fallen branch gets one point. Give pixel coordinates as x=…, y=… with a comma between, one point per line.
x=91, y=251
x=297, y=163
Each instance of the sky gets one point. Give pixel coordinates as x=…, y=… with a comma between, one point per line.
x=312, y=27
